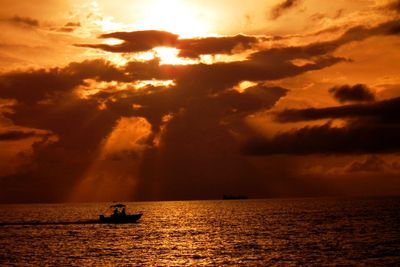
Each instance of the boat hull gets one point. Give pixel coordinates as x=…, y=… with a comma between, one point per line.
x=132, y=218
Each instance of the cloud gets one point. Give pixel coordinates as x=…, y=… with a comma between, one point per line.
x=372, y=164
x=357, y=33
x=253, y=99
x=379, y=112
x=194, y=103
x=282, y=8
x=195, y=47
x=199, y=147
x=140, y=41
x=35, y=85
x=363, y=166
x=73, y=24
x=69, y=27
x=367, y=124
x=195, y=125
x=80, y=127
x=46, y=99
x=13, y=135
x=394, y=6
x=24, y=21
x=201, y=99
x=355, y=93
x=360, y=139
x=137, y=41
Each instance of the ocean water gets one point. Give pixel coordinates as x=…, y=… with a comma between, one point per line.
x=274, y=232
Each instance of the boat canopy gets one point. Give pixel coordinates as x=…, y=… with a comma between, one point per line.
x=119, y=205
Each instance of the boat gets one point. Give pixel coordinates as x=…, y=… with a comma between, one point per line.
x=119, y=216
x=234, y=197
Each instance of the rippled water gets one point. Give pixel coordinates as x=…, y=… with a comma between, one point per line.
x=236, y=232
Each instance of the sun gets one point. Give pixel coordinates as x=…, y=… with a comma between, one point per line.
x=169, y=55
x=180, y=17
x=174, y=16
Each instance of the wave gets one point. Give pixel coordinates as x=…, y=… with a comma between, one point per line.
x=49, y=223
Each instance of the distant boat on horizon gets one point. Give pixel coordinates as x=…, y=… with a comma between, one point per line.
x=233, y=197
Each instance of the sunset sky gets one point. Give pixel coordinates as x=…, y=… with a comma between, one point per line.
x=192, y=99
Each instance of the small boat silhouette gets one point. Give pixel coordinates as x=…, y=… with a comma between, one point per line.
x=233, y=197
x=119, y=215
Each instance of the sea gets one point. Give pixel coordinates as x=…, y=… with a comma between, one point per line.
x=270, y=232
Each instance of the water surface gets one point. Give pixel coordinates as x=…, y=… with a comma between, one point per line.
x=235, y=232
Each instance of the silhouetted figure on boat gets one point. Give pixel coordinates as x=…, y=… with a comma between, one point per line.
x=123, y=213
x=115, y=213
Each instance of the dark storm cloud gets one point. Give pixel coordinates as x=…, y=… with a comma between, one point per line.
x=358, y=33
x=199, y=142
x=229, y=102
x=326, y=139
x=138, y=41
x=34, y=85
x=355, y=93
x=200, y=136
x=282, y=7
x=193, y=81
x=46, y=100
x=81, y=126
x=394, y=6
x=193, y=48
x=13, y=135
x=253, y=99
x=24, y=21
x=210, y=78
x=155, y=102
x=383, y=112
x=371, y=128
x=203, y=78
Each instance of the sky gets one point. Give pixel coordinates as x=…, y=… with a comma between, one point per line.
x=175, y=100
